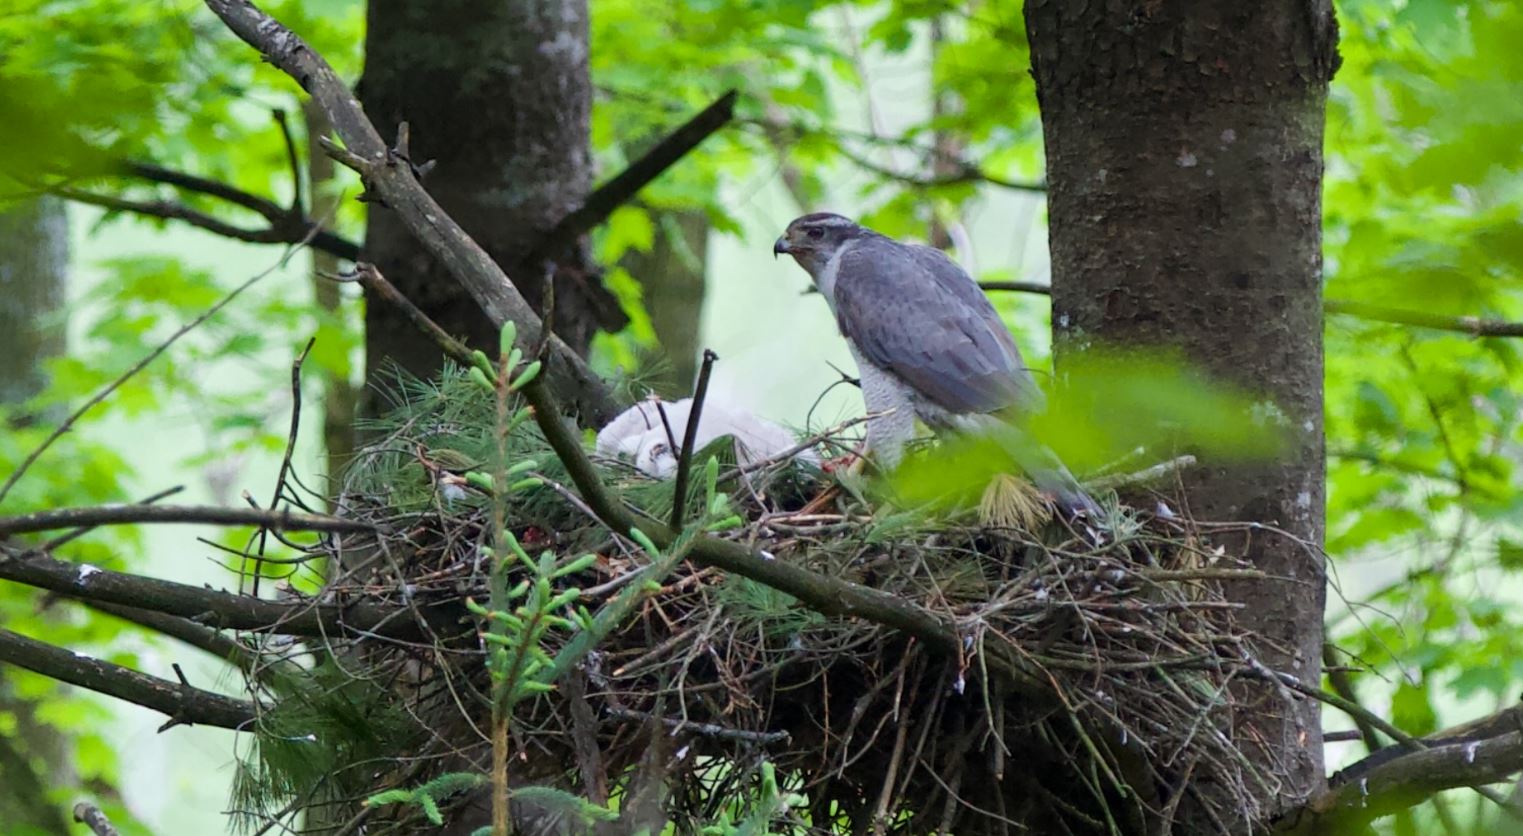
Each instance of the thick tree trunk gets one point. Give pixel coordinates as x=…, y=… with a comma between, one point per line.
x=1184, y=158
x=497, y=93
x=672, y=280
x=34, y=261
x=339, y=394
x=34, y=257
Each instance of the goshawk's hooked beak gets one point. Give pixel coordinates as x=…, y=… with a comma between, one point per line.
x=780, y=247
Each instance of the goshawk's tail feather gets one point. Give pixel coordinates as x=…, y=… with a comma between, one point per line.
x=1048, y=473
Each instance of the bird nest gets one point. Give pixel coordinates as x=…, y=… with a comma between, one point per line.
x=1087, y=689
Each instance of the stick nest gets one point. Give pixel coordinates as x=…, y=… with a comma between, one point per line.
x=1118, y=714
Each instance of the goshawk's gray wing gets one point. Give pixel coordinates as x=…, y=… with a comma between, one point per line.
x=912, y=311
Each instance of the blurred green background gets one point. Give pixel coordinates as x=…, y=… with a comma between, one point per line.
x=1424, y=212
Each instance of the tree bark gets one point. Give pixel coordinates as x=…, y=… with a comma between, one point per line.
x=34, y=261
x=339, y=395
x=1184, y=157
x=672, y=281
x=496, y=93
x=34, y=258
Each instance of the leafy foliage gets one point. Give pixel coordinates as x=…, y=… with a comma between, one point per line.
x=1423, y=196
x=1422, y=204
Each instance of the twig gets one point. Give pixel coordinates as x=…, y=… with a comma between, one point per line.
x=966, y=172
x=547, y=311
x=616, y=192
x=91, y=816
x=176, y=627
x=1017, y=287
x=183, y=704
x=679, y=726
x=584, y=736
x=298, y=201
x=183, y=629
x=393, y=181
x=111, y=387
x=369, y=277
x=689, y=438
x=812, y=441
x=70, y=536
x=1343, y=686
x=132, y=514
x=219, y=609
x=1353, y=709
x=666, y=427
x=1472, y=325
x=203, y=185
x=1142, y=477
x=285, y=462
x=284, y=226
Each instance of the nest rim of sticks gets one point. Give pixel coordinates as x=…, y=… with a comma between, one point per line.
x=715, y=674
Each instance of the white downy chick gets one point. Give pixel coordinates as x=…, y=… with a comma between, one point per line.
x=639, y=433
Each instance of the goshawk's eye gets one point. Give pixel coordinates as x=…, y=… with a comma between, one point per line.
x=816, y=233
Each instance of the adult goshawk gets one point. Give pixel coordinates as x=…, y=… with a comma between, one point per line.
x=927, y=344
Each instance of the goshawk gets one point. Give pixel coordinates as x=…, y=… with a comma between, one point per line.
x=927, y=344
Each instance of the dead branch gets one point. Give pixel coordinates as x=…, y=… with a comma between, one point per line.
x=618, y=191
x=680, y=726
x=689, y=438
x=91, y=816
x=214, y=608
x=295, y=424
x=287, y=225
x=1500, y=723
x=196, y=184
x=370, y=278
x=282, y=520
x=1142, y=477
x=182, y=703
x=392, y=179
x=1343, y=685
x=1017, y=287
x=1469, y=734
x=286, y=232
x=1407, y=780
x=187, y=631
